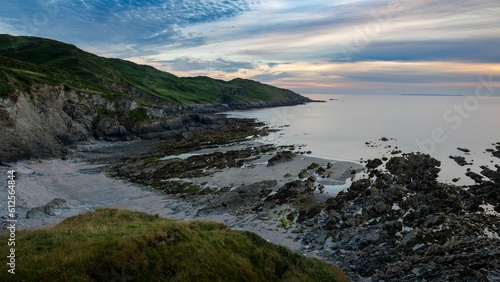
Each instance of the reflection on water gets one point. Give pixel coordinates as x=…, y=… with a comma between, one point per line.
x=438, y=125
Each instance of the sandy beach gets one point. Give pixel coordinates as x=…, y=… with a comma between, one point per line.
x=85, y=187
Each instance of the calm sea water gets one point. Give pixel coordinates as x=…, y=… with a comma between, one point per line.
x=437, y=125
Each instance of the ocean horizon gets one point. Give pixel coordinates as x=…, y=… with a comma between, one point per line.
x=360, y=127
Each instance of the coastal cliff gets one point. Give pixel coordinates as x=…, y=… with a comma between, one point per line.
x=53, y=95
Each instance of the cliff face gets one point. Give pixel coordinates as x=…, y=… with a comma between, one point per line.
x=53, y=94
x=41, y=121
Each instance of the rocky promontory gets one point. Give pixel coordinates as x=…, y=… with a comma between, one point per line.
x=43, y=121
x=69, y=96
x=400, y=224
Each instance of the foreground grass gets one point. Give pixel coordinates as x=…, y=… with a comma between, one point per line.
x=118, y=245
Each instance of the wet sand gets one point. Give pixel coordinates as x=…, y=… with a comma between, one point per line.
x=85, y=187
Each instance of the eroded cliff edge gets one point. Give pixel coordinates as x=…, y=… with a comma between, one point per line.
x=41, y=121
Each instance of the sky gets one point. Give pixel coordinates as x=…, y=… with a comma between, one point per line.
x=315, y=46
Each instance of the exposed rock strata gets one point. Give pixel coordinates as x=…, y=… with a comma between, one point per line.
x=41, y=121
x=406, y=226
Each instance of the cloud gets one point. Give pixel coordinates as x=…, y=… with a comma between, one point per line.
x=198, y=64
x=389, y=77
x=474, y=49
x=270, y=77
x=113, y=21
x=317, y=44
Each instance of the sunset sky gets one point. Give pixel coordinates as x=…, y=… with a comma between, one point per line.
x=317, y=46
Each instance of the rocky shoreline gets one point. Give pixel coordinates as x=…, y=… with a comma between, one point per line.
x=395, y=222
x=41, y=122
x=400, y=224
x=389, y=220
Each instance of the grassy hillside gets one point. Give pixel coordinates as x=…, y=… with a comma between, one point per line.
x=118, y=245
x=15, y=74
x=35, y=57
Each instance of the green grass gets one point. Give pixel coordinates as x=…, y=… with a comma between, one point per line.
x=140, y=114
x=15, y=74
x=116, y=245
x=38, y=57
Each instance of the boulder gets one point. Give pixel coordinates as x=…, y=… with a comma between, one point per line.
x=372, y=164
x=460, y=160
x=293, y=190
x=281, y=157
x=47, y=209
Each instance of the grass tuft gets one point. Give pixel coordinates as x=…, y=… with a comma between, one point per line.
x=112, y=244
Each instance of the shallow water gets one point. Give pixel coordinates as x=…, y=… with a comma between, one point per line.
x=437, y=125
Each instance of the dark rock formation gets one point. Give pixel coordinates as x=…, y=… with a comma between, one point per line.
x=240, y=200
x=474, y=176
x=464, y=150
x=41, y=121
x=293, y=190
x=497, y=152
x=460, y=160
x=47, y=209
x=281, y=157
x=152, y=171
x=371, y=164
x=406, y=226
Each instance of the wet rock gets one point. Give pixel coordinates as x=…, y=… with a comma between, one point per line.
x=460, y=160
x=494, y=175
x=372, y=164
x=463, y=150
x=47, y=209
x=152, y=171
x=393, y=226
x=474, y=176
x=321, y=170
x=378, y=208
x=293, y=190
x=311, y=179
x=406, y=226
x=419, y=171
x=359, y=185
x=281, y=157
x=241, y=199
x=313, y=166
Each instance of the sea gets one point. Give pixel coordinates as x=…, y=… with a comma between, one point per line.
x=361, y=127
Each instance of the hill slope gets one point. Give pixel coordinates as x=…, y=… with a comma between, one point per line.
x=115, y=76
x=53, y=94
x=110, y=245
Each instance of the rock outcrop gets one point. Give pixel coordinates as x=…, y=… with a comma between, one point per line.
x=406, y=226
x=40, y=122
x=243, y=199
x=47, y=209
x=460, y=160
x=281, y=157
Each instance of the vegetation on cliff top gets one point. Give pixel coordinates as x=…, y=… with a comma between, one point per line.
x=110, y=245
x=24, y=60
